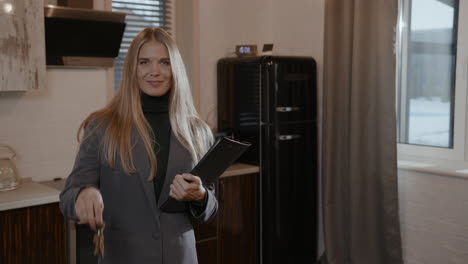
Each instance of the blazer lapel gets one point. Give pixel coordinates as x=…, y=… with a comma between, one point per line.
x=143, y=168
x=179, y=161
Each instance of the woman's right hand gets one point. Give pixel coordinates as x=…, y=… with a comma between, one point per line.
x=89, y=207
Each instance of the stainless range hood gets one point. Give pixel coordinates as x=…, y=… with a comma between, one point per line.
x=82, y=37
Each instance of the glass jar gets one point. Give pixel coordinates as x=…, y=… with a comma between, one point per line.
x=8, y=171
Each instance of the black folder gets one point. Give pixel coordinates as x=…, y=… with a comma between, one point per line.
x=218, y=158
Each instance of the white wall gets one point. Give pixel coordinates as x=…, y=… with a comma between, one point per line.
x=186, y=33
x=298, y=27
x=434, y=218
x=41, y=125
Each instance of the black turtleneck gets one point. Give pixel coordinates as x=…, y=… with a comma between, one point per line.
x=156, y=111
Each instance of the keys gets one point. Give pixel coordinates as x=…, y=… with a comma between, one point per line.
x=98, y=240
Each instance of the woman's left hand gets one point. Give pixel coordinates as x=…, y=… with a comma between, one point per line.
x=187, y=187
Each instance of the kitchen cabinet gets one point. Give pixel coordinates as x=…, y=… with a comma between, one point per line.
x=232, y=236
x=76, y=3
x=22, y=45
x=35, y=234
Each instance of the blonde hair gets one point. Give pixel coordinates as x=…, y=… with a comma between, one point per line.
x=124, y=114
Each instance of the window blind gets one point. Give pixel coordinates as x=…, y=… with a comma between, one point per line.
x=140, y=14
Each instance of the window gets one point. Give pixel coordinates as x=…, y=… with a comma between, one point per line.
x=140, y=14
x=430, y=94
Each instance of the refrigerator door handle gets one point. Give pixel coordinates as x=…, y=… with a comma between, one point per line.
x=288, y=137
x=287, y=108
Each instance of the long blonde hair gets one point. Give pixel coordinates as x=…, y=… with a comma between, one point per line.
x=124, y=112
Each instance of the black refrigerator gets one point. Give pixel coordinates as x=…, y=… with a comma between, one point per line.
x=271, y=101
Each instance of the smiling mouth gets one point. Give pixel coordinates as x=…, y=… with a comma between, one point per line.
x=154, y=83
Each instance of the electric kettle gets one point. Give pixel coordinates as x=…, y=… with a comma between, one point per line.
x=8, y=171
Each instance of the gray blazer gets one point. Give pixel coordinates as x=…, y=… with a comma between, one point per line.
x=137, y=231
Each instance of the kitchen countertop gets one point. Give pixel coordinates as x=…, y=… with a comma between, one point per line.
x=33, y=193
x=28, y=194
x=240, y=169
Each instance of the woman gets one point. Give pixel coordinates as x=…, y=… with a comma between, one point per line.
x=135, y=153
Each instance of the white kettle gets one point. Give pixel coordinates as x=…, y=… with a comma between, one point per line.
x=8, y=171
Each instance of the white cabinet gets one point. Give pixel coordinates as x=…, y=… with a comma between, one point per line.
x=22, y=45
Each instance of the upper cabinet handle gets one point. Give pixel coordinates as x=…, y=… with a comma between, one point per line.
x=287, y=108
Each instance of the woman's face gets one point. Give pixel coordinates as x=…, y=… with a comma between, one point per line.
x=154, y=69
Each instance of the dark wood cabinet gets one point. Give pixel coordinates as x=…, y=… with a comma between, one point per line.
x=231, y=237
x=34, y=234
x=37, y=234
x=237, y=220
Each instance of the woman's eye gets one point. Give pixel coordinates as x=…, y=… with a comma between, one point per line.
x=166, y=62
x=142, y=62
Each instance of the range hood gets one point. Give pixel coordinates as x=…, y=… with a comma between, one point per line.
x=86, y=38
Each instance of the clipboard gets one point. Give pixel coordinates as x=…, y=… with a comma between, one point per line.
x=218, y=158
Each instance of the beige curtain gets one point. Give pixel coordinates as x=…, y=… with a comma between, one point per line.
x=360, y=198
